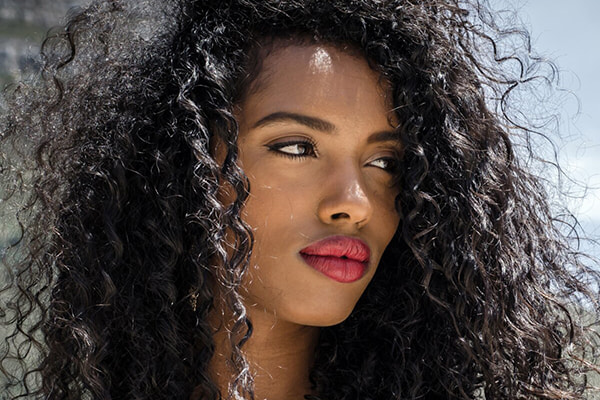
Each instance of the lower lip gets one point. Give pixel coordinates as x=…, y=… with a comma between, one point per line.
x=339, y=269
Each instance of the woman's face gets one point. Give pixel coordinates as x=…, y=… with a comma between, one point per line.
x=317, y=146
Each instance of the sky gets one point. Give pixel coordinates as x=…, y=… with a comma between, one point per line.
x=568, y=32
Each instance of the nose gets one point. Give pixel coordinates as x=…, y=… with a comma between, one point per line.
x=345, y=200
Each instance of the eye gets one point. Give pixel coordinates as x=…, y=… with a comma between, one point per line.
x=294, y=148
x=389, y=164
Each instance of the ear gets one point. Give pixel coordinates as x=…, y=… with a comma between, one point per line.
x=218, y=144
x=217, y=149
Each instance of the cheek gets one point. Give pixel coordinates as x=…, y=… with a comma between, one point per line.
x=277, y=198
x=394, y=216
x=274, y=217
x=268, y=207
x=386, y=217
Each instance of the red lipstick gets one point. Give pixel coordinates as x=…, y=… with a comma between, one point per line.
x=342, y=258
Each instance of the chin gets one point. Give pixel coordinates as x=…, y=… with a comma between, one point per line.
x=321, y=317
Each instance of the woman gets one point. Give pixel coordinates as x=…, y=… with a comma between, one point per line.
x=283, y=200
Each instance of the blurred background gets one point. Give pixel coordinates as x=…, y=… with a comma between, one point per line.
x=565, y=32
x=23, y=24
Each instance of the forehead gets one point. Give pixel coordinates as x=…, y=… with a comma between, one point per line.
x=318, y=77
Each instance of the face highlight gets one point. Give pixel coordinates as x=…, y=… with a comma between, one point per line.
x=320, y=62
x=320, y=154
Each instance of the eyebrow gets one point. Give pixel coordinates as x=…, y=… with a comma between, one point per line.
x=311, y=122
x=319, y=124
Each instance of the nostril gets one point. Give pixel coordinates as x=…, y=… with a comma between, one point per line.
x=340, y=215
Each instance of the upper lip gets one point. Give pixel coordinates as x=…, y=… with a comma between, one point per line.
x=339, y=246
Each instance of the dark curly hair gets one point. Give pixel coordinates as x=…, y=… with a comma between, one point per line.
x=106, y=164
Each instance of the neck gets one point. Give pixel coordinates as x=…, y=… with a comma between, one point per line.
x=280, y=355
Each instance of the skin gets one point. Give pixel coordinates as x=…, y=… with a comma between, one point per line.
x=318, y=146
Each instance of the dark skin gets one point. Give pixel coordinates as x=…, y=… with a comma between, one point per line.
x=317, y=146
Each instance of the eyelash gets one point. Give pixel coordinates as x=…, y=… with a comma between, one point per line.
x=311, y=152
